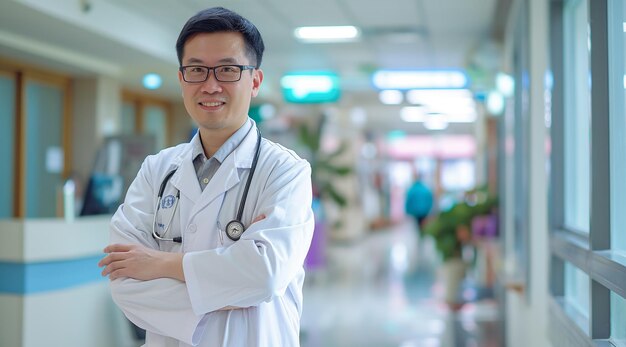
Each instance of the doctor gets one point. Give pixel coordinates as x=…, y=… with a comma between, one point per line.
x=179, y=267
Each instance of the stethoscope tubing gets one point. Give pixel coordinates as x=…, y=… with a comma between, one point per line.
x=234, y=228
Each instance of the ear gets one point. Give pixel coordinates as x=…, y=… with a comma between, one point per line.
x=257, y=79
x=181, y=81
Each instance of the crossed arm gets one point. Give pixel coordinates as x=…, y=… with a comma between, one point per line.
x=143, y=263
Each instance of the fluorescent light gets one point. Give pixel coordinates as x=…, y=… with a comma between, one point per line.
x=413, y=114
x=152, y=81
x=419, y=79
x=435, y=122
x=457, y=104
x=439, y=96
x=624, y=26
x=390, y=97
x=327, y=33
x=495, y=103
x=505, y=84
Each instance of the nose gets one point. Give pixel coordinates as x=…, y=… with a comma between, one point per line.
x=211, y=85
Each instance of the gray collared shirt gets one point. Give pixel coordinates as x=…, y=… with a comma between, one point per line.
x=207, y=167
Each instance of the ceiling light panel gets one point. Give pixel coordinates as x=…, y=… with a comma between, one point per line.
x=420, y=79
x=327, y=33
x=390, y=97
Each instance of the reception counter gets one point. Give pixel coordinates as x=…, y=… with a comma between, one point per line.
x=51, y=291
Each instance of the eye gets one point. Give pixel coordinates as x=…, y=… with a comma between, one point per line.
x=228, y=68
x=196, y=69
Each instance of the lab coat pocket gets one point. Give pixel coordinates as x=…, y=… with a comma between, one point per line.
x=222, y=238
x=167, y=224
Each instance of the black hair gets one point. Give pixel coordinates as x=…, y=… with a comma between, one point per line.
x=218, y=19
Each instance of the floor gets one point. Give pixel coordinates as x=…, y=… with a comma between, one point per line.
x=384, y=290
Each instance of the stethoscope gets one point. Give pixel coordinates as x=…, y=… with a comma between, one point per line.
x=234, y=228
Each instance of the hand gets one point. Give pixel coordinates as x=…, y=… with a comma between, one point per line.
x=141, y=263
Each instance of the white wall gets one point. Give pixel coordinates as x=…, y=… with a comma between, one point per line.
x=72, y=307
x=74, y=317
x=527, y=313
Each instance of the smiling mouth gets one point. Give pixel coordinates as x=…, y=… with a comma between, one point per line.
x=211, y=104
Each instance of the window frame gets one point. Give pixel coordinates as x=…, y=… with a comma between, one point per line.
x=140, y=102
x=590, y=253
x=22, y=74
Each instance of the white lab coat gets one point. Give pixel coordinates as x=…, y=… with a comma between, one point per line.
x=262, y=272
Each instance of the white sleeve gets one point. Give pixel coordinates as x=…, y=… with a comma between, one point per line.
x=269, y=255
x=152, y=305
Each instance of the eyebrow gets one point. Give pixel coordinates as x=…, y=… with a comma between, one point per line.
x=223, y=61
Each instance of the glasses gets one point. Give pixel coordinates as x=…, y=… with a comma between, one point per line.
x=222, y=73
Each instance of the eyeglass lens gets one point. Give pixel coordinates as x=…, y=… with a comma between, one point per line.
x=224, y=73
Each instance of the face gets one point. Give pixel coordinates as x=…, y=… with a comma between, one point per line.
x=219, y=107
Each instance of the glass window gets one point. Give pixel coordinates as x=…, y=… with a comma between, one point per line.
x=618, y=318
x=617, y=42
x=44, y=150
x=128, y=118
x=577, y=289
x=577, y=114
x=617, y=64
x=155, y=124
x=7, y=139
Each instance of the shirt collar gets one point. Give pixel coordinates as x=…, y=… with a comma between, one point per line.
x=196, y=148
x=226, y=149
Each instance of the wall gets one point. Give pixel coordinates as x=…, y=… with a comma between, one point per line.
x=181, y=123
x=527, y=313
x=51, y=290
x=96, y=114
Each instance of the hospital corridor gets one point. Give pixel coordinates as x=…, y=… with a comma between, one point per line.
x=380, y=292
x=328, y=173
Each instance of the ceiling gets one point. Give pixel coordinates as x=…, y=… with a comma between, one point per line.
x=126, y=39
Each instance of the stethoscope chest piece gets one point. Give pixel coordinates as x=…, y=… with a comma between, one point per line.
x=234, y=229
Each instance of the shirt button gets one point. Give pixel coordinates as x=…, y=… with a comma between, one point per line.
x=192, y=228
x=205, y=180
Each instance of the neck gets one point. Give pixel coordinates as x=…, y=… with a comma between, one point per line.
x=213, y=139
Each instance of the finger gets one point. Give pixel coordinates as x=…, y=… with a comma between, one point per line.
x=114, y=267
x=119, y=273
x=118, y=248
x=105, y=261
x=112, y=257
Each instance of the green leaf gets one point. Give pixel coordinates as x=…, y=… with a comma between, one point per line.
x=306, y=137
x=333, y=194
x=333, y=169
x=342, y=148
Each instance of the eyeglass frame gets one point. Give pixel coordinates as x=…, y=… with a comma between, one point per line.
x=242, y=68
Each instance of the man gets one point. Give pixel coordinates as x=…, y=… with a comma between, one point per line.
x=419, y=201
x=174, y=269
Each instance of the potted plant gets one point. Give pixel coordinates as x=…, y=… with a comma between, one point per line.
x=451, y=231
x=324, y=174
x=323, y=169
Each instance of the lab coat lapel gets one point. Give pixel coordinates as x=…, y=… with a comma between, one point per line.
x=186, y=179
x=229, y=173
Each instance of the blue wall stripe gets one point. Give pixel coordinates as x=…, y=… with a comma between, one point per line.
x=39, y=277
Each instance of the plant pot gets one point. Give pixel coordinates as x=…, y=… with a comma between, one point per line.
x=453, y=273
